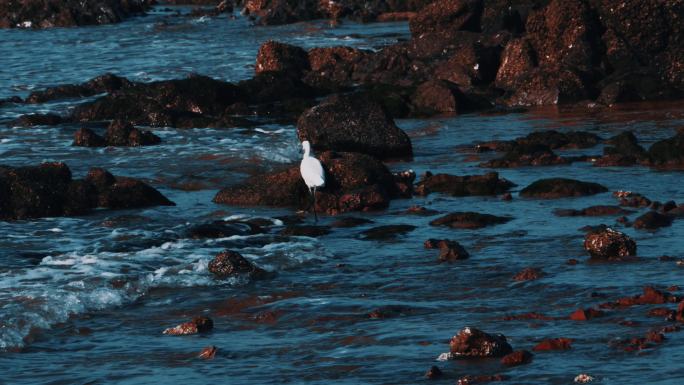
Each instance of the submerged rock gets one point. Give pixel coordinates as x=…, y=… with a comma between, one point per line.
x=386, y=232
x=280, y=57
x=518, y=357
x=652, y=220
x=353, y=123
x=469, y=220
x=48, y=190
x=223, y=229
x=554, y=344
x=560, y=188
x=592, y=211
x=527, y=155
x=586, y=314
x=434, y=373
x=528, y=274
x=199, y=324
x=119, y=133
x=609, y=244
x=449, y=251
x=467, y=185
x=472, y=343
x=668, y=153
x=230, y=263
x=305, y=231
x=208, y=353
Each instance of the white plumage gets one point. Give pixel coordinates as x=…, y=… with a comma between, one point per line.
x=312, y=173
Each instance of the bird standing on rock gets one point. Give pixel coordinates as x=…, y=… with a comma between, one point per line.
x=312, y=173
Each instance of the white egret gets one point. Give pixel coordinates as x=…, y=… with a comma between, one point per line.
x=312, y=173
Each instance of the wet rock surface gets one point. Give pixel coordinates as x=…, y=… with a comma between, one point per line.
x=528, y=274
x=67, y=13
x=554, y=344
x=652, y=220
x=353, y=123
x=386, y=232
x=48, y=190
x=197, y=325
x=468, y=220
x=449, y=251
x=354, y=182
x=554, y=188
x=518, y=357
x=473, y=343
x=609, y=244
x=460, y=186
x=118, y=133
x=593, y=211
x=230, y=263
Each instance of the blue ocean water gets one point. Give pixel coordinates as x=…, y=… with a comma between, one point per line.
x=85, y=300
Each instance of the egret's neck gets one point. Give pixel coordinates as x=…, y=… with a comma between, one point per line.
x=306, y=152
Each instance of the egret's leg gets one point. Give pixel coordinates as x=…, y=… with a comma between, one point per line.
x=314, y=205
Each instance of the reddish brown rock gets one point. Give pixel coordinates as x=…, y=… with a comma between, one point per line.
x=86, y=137
x=630, y=199
x=197, y=325
x=680, y=312
x=280, y=57
x=469, y=220
x=554, y=344
x=353, y=123
x=585, y=314
x=528, y=274
x=443, y=15
x=230, y=263
x=517, y=60
x=609, y=244
x=449, y=251
x=528, y=316
x=662, y=312
x=471, y=342
x=208, y=353
x=518, y=357
x=67, y=13
x=334, y=67
x=561, y=187
x=650, y=296
x=467, y=185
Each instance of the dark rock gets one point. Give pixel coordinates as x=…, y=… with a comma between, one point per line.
x=223, y=229
x=468, y=185
x=443, y=15
x=528, y=274
x=37, y=120
x=334, y=67
x=527, y=155
x=517, y=60
x=48, y=191
x=67, y=13
x=560, y=188
x=518, y=357
x=208, y=353
x=469, y=220
x=609, y=244
x=390, y=311
x=668, y=153
x=554, y=344
x=106, y=83
x=305, y=231
x=121, y=133
x=471, y=342
x=353, y=123
x=354, y=182
x=630, y=199
x=386, y=232
x=449, y=251
x=652, y=220
x=350, y=222
x=129, y=193
x=197, y=325
x=650, y=296
x=86, y=137
x=441, y=96
x=230, y=263
x=279, y=57
x=420, y=210
x=592, y=211
x=624, y=151
x=433, y=373
x=404, y=182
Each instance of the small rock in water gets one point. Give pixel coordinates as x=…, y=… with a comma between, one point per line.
x=472, y=380
x=528, y=274
x=231, y=263
x=449, y=251
x=386, y=232
x=199, y=324
x=583, y=378
x=554, y=344
x=208, y=353
x=433, y=373
x=471, y=342
x=609, y=244
x=585, y=314
x=518, y=357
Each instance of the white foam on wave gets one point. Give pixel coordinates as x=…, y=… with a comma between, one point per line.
x=65, y=284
